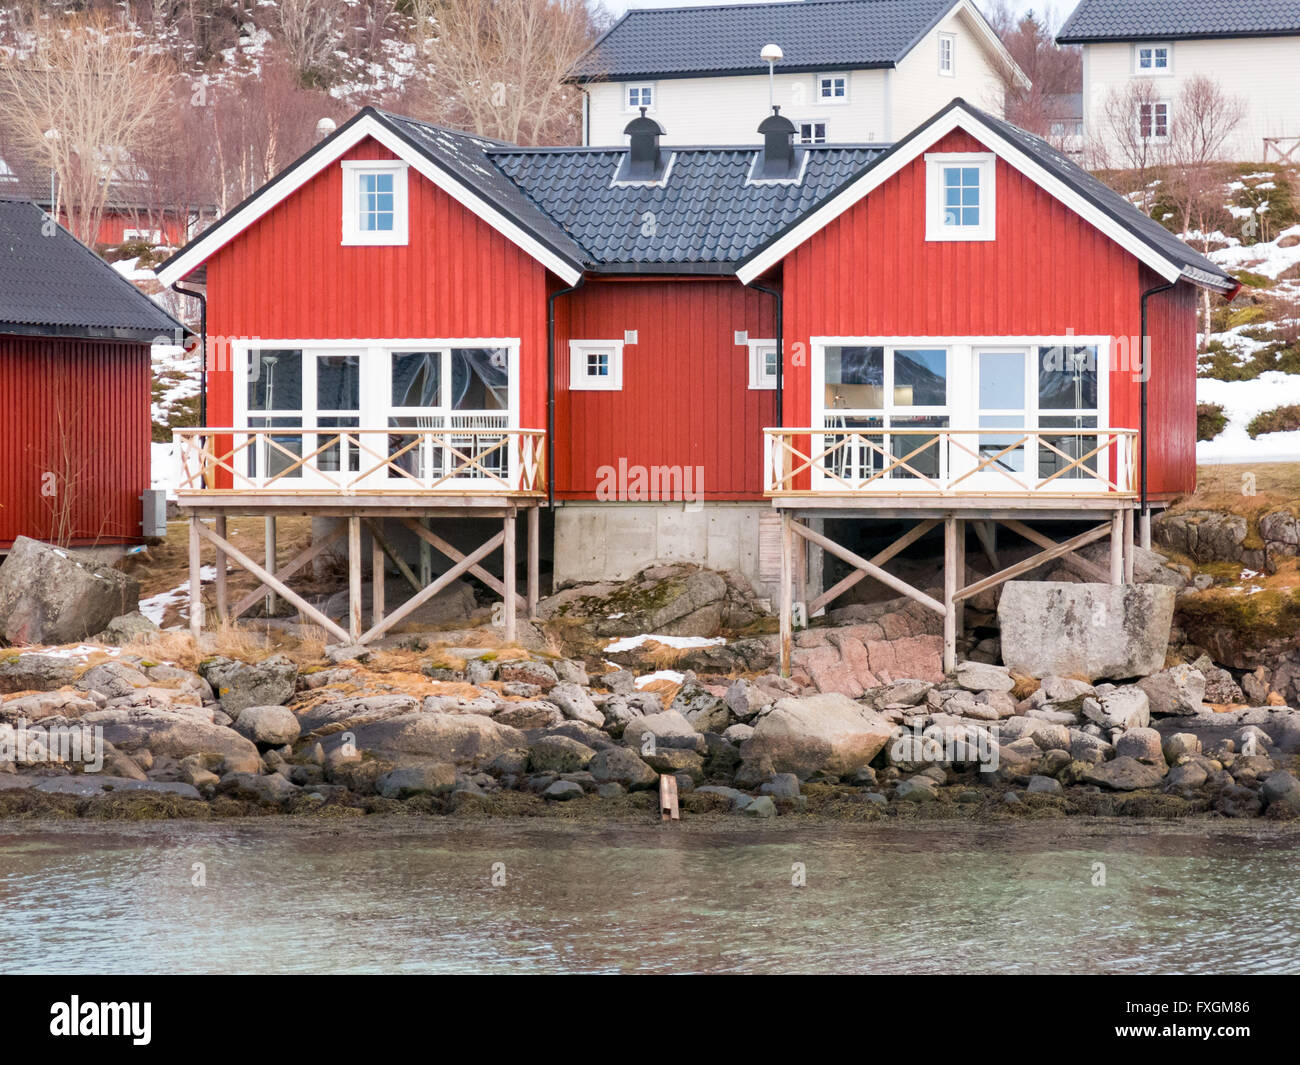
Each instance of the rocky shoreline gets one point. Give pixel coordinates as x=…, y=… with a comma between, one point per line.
x=501, y=732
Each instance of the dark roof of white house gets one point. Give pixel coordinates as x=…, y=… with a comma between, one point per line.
x=1152, y=20
x=52, y=284
x=727, y=39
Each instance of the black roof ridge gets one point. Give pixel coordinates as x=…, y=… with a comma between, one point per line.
x=561, y=149
x=752, y=3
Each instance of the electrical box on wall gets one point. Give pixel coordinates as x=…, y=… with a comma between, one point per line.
x=154, y=523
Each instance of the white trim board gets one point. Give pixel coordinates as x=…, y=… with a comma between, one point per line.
x=329, y=152
x=893, y=163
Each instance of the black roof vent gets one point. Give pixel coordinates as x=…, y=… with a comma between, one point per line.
x=778, y=162
x=644, y=162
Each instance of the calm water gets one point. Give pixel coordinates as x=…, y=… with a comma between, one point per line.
x=288, y=897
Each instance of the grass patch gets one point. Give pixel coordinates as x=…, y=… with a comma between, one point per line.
x=1277, y=420
x=1210, y=420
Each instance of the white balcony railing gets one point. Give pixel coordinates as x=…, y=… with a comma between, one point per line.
x=948, y=462
x=406, y=460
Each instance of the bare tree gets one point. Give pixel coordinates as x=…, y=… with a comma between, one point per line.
x=83, y=94
x=1054, y=72
x=1134, y=136
x=498, y=65
x=311, y=31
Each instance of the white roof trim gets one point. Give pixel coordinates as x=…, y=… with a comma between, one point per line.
x=957, y=118
x=991, y=40
x=366, y=126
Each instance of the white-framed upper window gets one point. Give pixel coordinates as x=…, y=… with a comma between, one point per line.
x=832, y=88
x=960, y=196
x=1153, y=120
x=948, y=54
x=374, y=202
x=638, y=96
x=1153, y=58
x=596, y=365
x=149, y=236
x=764, y=362
x=812, y=132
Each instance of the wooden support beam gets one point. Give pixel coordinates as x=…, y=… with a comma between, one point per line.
x=534, y=559
x=196, y=579
x=949, y=593
x=219, y=523
x=1116, y=548
x=508, y=566
x=434, y=540
x=987, y=534
x=377, y=577
x=250, y=600
x=271, y=581
x=268, y=536
x=1033, y=562
x=887, y=579
x=1080, y=566
x=422, y=597
x=354, y=577
x=879, y=559
x=787, y=590
x=397, y=560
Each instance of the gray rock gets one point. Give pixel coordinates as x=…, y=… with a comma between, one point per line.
x=745, y=699
x=1040, y=785
x=827, y=732
x=1140, y=743
x=1220, y=687
x=738, y=798
x=763, y=806
x=539, y=673
x=239, y=684
x=28, y=671
x=436, y=778
x=1281, y=787
x=575, y=703
x=705, y=711
x=917, y=789
x=1090, y=630
x=978, y=677
x=1180, y=744
x=1186, y=777
x=268, y=726
x=127, y=627
x=1125, y=774
x=782, y=786
x=89, y=784
x=563, y=791
x=531, y=714
x=738, y=733
x=176, y=736
x=461, y=739
x=49, y=595
x=1125, y=707
x=559, y=754
x=1063, y=689
x=271, y=788
x=1179, y=690
x=669, y=729
x=676, y=761
x=622, y=766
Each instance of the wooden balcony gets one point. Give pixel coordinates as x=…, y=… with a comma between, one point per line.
x=342, y=470
x=939, y=468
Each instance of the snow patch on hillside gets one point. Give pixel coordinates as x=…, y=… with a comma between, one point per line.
x=1241, y=401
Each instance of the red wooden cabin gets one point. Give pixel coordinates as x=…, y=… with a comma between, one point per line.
x=680, y=348
x=75, y=387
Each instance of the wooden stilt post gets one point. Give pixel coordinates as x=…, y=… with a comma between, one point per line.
x=959, y=578
x=269, y=536
x=508, y=574
x=816, y=567
x=196, y=581
x=787, y=590
x=354, y=577
x=534, y=557
x=376, y=580
x=1116, y=548
x=426, y=559
x=219, y=523
x=949, y=593
x=1128, y=545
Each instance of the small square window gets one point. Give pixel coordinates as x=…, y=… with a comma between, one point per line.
x=947, y=54
x=833, y=88
x=812, y=132
x=374, y=202
x=763, y=363
x=1152, y=58
x=639, y=96
x=596, y=365
x=960, y=194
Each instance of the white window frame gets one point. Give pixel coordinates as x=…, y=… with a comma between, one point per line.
x=1153, y=71
x=149, y=236
x=950, y=70
x=935, y=163
x=813, y=122
x=640, y=86
x=759, y=378
x=831, y=101
x=353, y=235
x=1154, y=138
x=580, y=380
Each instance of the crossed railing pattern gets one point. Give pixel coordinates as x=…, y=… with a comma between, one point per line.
x=843, y=461
x=348, y=461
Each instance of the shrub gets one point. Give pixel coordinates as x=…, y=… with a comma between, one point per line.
x=1210, y=420
x=1277, y=420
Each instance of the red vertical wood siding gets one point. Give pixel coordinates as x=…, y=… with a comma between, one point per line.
x=1171, y=393
x=871, y=272
x=685, y=399
x=288, y=277
x=79, y=409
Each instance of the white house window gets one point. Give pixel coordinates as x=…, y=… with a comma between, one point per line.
x=961, y=197
x=7, y=174
x=947, y=54
x=1152, y=59
x=833, y=88
x=763, y=363
x=639, y=96
x=596, y=365
x=374, y=202
x=812, y=132
x=1153, y=121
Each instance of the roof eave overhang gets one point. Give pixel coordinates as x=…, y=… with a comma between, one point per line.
x=1066, y=38
x=367, y=123
x=93, y=332
x=726, y=72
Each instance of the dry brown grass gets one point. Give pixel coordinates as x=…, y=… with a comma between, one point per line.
x=664, y=688
x=1023, y=685
x=230, y=641
x=1220, y=488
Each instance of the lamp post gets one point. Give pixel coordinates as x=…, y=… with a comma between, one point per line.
x=52, y=138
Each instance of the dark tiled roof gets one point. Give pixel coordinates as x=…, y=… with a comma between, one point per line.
x=27, y=178
x=1131, y=20
x=52, y=283
x=813, y=34
x=706, y=213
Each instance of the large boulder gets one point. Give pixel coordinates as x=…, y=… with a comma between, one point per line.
x=827, y=732
x=459, y=739
x=1092, y=630
x=268, y=726
x=47, y=595
x=239, y=684
x=31, y=672
x=177, y=736
x=1179, y=690
x=1125, y=774
x=669, y=729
